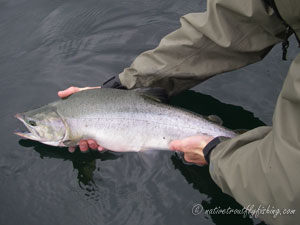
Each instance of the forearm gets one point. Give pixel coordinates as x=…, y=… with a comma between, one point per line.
x=261, y=167
x=226, y=37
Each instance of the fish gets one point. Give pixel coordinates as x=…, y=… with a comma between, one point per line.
x=118, y=120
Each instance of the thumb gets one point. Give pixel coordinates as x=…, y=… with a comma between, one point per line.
x=68, y=91
x=88, y=88
x=176, y=145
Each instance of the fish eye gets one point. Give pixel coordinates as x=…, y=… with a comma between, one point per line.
x=32, y=123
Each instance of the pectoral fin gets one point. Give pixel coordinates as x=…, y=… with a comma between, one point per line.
x=69, y=143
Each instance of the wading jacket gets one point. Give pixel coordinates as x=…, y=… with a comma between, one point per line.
x=260, y=167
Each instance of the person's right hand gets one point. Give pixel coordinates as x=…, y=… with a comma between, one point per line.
x=192, y=147
x=84, y=145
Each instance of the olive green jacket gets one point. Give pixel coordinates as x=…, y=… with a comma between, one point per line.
x=259, y=168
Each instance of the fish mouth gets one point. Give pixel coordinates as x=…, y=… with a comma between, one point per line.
x=30, y=134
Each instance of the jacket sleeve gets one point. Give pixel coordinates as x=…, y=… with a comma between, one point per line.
x=260, y=168
x=229, y=35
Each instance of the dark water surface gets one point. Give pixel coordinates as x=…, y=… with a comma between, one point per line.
x=48, y=45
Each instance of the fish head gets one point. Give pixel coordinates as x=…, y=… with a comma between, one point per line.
x=44, y=125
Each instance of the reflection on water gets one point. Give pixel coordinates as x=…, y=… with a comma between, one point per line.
x=234, y=117
x=199, y=178
x=84, y=163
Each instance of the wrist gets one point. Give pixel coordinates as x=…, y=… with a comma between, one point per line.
x=210, y=147
x=113, y=82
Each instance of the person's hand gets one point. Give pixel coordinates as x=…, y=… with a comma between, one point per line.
x=72, y=90
x=84, y=145
x=192, y=147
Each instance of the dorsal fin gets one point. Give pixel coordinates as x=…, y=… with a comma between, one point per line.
x=156, y=94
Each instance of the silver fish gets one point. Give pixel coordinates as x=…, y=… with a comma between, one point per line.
x=119, y=120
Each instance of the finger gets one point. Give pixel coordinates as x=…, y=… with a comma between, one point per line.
x=72, y=149
x=68, y=91
x=92, y=144
x=87, y=88
x=194, y=158
x=83, y=146
x=177, y=145
x=100, y=148
x=187, y=158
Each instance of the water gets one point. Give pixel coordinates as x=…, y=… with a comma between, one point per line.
x=46, y=46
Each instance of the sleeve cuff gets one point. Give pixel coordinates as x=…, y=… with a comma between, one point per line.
x=210, y=146
x=113, y=82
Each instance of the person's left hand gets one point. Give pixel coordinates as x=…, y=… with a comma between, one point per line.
x=192, y=147
x=71, y=90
